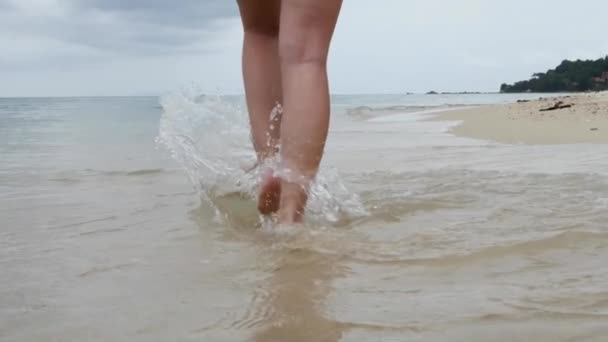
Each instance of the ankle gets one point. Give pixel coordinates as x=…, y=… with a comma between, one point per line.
x=291, y=211
x=293, y=202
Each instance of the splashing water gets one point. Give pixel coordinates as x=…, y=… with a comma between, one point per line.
x=209, y=137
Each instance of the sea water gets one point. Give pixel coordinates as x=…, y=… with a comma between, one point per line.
x=134, y=219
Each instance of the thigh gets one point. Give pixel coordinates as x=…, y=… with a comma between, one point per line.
x=307, y=27
x=260, y=16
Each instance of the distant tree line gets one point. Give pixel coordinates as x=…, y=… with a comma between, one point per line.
x=569, y=76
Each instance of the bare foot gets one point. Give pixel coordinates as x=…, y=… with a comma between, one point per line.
x=293, y=199
x=270, y=194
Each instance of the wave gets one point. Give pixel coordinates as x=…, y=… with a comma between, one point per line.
x=131, y=173
x=559, y=241
x=65, y=180
x=145, y=172
x=367, y=112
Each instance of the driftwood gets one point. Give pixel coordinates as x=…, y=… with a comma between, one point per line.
x=557, y=105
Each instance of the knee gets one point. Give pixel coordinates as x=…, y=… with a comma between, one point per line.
x=305, y=38
x=264, y=29
x=301, y=50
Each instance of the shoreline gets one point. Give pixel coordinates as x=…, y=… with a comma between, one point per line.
x=584, y=119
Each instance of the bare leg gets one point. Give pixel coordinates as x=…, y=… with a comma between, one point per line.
x=262, y=76
x=307, y=27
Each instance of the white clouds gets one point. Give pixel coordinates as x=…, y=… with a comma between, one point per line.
x=38, y=7
x=89, y=47
x=26, y=51
x=129, y=31
x=397, y=45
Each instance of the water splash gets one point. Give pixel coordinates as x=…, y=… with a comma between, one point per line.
x=210, y=139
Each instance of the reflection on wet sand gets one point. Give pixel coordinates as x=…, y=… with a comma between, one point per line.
x=300, y=276
x=299, y=285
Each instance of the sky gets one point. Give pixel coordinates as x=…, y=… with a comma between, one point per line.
x=151, y=47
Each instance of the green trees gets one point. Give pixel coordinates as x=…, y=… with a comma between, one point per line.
x=569, y=76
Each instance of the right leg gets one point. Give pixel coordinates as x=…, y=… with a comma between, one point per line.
x=262, y=76
x=307, y=27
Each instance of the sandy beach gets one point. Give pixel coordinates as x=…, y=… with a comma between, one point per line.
x=585, y=121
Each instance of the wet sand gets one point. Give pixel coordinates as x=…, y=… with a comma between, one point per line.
x=585, y=122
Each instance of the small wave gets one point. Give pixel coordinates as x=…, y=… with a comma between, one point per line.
x=258, y=312
x=367, y=112
x=82, y=223
x=144, y=172
x=103, y=269
x=563, y=240
x=140, y=172
x=65, y=180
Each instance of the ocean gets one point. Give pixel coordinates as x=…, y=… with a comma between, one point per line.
x=132, y=219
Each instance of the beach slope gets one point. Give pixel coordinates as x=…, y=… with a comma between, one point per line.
x=584, y=119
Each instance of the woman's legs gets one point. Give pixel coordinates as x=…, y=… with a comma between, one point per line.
x=262, y=76
x=306, y=30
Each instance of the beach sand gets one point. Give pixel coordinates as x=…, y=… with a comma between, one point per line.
x=523, y=122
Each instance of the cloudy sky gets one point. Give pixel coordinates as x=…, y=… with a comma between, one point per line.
x=149, y=47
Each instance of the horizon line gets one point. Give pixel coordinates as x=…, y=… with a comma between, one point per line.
x=242, y=94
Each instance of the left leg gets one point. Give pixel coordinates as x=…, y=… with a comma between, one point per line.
x=262, y=77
